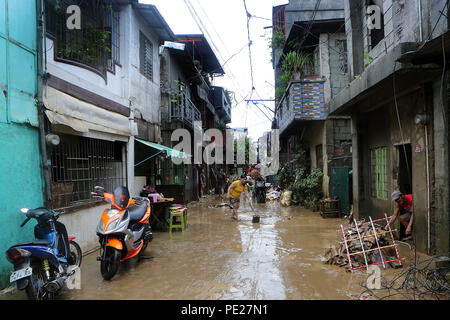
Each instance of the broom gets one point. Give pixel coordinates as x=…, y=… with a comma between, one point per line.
x=255, y=216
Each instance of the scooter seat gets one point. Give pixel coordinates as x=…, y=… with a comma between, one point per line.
x=34, y=243
x=137, y=212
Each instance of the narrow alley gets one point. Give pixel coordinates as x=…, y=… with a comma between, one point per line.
x=218, y=258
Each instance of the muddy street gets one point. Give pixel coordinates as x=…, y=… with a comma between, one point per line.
x=219, y=258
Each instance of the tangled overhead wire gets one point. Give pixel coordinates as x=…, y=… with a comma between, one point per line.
x=422, y=281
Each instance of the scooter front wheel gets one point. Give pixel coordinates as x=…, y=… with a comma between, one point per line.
x=110, y=263
x=75, y=254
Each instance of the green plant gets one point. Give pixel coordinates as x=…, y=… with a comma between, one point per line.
x=221, y=125
x=278, y=39
x=367, y=60
x=298, y=62
x=308, y=187
x=286, y=176
x=293, y=62
x=282, y=85
x=231, y=96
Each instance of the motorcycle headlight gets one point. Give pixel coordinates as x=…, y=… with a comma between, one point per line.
x=112, y=225
x=112, y=212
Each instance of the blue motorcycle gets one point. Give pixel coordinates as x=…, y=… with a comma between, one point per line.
x=44, y=267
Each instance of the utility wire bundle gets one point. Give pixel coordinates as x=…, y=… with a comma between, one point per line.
x=423, y=280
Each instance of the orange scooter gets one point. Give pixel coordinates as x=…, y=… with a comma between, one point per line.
x=123, y=230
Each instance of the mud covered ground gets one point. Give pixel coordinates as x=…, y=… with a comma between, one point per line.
x=219, y=258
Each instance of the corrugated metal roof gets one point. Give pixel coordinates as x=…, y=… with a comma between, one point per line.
x=155, y=21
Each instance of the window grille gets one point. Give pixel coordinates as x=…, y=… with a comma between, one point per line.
x=114, y=53
x=378, y=173
x=342, y=46
x=78, y=164
x=95, y=45
x=146, y=56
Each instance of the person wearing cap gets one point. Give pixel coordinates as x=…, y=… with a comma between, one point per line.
x=234, y=193
x=404, y=210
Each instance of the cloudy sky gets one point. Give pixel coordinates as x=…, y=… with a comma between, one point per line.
x=224, y=24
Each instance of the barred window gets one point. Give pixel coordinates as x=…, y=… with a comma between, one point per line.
x=114, y=52
x=378, y=173
x=94, y=46
x=79, y=164
x=342, y=46
x=146, y=56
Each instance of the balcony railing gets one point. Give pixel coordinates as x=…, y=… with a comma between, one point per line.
x=183, y=109
x=303, y=100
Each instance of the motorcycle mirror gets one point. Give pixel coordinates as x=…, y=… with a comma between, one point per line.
x=99, y=190
x=24, y=210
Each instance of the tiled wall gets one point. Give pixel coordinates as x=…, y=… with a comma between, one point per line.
x=308, y=100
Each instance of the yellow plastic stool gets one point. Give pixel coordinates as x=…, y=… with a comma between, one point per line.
x=182, y=213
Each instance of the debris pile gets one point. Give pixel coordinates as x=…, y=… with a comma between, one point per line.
x=220, y=205
x=286, y=198
x=273, y=195
x=339, y=255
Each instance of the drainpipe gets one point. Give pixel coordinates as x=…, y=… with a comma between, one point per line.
x=40, y=58
x=428, y=192
x=424, y=120
x=419, y=6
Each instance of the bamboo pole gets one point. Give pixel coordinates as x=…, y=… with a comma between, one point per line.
x=346, y=247
x=362, y=245
x=376, y=238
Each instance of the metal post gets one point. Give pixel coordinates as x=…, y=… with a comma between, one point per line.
x=376, y=238
x=346, y=247
x=360, y=241
x=393, y=240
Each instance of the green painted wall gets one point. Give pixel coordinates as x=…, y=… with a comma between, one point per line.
x=20, y=159
x=20, y=186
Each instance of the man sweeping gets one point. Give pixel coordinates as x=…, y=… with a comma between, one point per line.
x=234, y=193
x=403, y=209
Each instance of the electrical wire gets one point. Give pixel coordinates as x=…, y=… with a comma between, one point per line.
x=419, y=280
x=310, y=23
x=249, y=44
x=202, y=27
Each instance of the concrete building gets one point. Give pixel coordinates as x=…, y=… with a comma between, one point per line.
x=315, y=38
x=398, y=104
x=189, y=101
x=102, y=90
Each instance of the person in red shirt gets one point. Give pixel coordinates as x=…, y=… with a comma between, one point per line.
x=404, y=210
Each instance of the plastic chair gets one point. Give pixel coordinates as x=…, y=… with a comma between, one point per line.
x=178, y=212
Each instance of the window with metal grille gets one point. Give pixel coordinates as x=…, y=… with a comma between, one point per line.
x=146, y=56
x=114, y=52
x=342, y=46
x=95, y=45
x=78, y=164
x=378, y=173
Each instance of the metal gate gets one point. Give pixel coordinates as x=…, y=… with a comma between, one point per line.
x=340, y=187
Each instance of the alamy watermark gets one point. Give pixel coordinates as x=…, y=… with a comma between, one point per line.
x=73, y=22
x=374, y=280
x=373, y=17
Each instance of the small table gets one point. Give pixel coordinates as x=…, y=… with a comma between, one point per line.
x=330, y=207
x=158, y=219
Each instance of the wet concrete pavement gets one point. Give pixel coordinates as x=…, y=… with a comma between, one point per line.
x=218, y=258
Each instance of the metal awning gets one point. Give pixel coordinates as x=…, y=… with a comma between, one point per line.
x=170, y=152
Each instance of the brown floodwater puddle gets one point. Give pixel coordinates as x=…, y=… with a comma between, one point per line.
x=218, y=258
